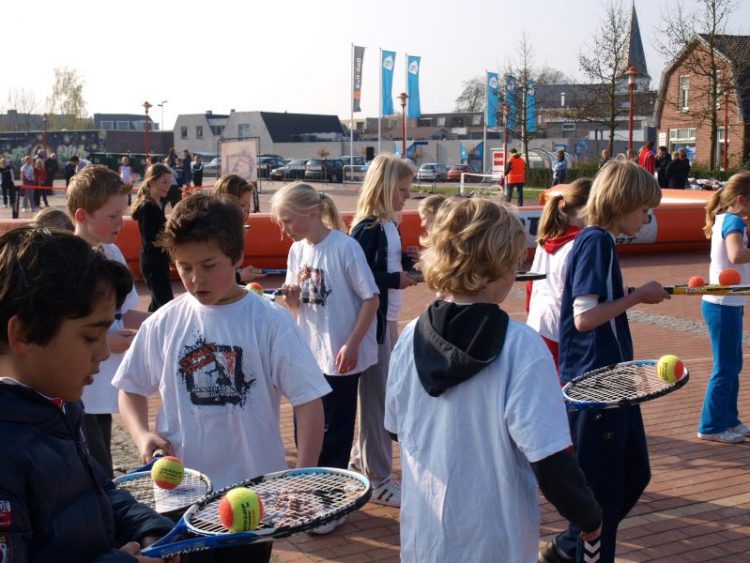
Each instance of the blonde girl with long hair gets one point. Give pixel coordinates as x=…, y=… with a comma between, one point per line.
x=562, y=219
x=149, y=214
x=725, y=226
x=375, y=226
x=332, y=292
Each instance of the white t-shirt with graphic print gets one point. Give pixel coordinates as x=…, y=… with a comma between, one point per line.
x=221, y=371
x=100, y=397
x=334, y=279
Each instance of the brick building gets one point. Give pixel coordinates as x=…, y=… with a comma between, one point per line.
x=683, y=110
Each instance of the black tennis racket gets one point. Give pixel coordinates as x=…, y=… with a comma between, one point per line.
x=293, y=501
x=195, y=486
x=619, y=385
x=273, y=271
x=530, y=276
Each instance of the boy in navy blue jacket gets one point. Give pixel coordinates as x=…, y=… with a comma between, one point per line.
x=57, y=300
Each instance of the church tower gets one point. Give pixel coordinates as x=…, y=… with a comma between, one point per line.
x=636, y=56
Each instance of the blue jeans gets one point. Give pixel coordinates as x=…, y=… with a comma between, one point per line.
x=720, y=404
x=509, y=193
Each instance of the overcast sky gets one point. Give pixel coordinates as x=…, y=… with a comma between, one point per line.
x=292, y=55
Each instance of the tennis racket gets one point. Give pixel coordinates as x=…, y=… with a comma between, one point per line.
x=273, y=271
x=619, y=385
x=530, y=276
x=293, y=501
x=711, y=289
x=173, y=502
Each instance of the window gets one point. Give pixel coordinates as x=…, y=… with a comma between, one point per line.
x=107, y=125
x=199, y=131
x=441, y=121
x=183, y=132
x=684, y=89
x=568, y=130
x=217, y=130
x=123, y=125
x=243, y=130
x=476, y=119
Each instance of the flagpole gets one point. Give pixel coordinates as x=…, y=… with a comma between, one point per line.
x=406, y=89
x=351, y=114
x=380, y=98
x=486, y=112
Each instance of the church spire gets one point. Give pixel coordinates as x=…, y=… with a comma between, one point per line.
x=636, y=55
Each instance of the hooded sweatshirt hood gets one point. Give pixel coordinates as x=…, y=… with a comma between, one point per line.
x=452, y=343
x=554, y=244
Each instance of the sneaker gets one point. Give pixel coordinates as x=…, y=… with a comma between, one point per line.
x=387, y=493
x=727, y=437
x=742, y=430
x=550, y=554
x=324, y=529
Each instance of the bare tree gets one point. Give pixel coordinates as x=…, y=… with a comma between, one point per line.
x=525, y=74
x=603, y=63
x=472, y=95
x=548, y=75
x=25, y=104
x=66, y=104
x=695, y=37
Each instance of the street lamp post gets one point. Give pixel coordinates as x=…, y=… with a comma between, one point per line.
x=161, y=105
x=44, y=137
x=631, y=73
x=403, y=97
x=146, y=107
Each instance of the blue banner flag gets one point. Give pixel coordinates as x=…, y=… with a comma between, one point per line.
x=387, y=62
x=531, y=106
x=464, y=153
x=492, y=99
x=478, y=151
x=412, y=73
x=411, y=151
x=510, y=100
x=357, y=58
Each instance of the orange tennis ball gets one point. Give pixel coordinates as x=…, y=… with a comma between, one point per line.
x=240, y=510
x=168, y=472
x=255, y=287
x=729, y=276
x=670, y=368
x=696, y=281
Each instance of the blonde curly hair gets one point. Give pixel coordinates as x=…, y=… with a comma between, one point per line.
x=473, y=242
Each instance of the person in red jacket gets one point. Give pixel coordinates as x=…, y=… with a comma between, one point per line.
x=646, y=157
x=515, y=176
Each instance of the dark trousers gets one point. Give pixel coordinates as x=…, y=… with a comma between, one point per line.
x=13, y=199
x=509, y=193
x=155, y=272
x=98, y=428
x=253, y=553
x=340, y=410
x=612, y=452
x=39, y=194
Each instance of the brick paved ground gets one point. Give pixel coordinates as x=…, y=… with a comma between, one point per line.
x=697, y=506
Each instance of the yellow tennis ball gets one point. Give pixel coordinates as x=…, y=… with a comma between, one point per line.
x=240, y=510
x=168, y=472
x=670, y=368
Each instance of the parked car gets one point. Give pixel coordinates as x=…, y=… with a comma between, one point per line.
x=292, y=170
x=212, y=168
x=356, y=160
x=432, y=172
x=455, y=171
x=324, y=170
x=267, y=162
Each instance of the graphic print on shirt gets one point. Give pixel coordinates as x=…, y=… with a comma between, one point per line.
x=312, y=283
x=213, y=374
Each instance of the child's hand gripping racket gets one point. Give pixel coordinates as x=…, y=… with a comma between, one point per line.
x=293, y=501
x=170, y=502
x=625, y=384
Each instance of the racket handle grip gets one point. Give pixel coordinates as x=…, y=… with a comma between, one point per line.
x=157, y=453
x=668, y=288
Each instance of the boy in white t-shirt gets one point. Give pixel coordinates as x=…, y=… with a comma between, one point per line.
x=473, y=400
x=220, y=359
x=97, y=200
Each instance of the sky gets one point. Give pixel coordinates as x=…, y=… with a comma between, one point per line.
x=294, y=55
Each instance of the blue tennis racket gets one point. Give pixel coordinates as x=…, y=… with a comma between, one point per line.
x=273, y=271
x=619, y=385
x=293, y=501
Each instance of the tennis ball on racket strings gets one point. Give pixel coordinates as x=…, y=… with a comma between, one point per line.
x=670, y=368
x=730, y=276
x=240, y=510
x=255, y=287
x=168, y=472
x=696, y=281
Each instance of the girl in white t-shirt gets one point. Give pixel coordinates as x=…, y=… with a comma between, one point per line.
x=333, y=292
x=561, y=221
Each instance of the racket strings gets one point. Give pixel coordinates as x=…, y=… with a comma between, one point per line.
x=193, y=488
x=288, y=502
x=629, y=381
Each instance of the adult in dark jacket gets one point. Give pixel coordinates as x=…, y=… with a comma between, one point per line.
x=70, y=169
x=662, y=161
x=51, y=166
x=678, y=170
x=187, y=172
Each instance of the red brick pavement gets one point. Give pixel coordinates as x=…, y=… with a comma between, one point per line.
x=697, y=506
